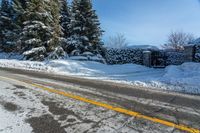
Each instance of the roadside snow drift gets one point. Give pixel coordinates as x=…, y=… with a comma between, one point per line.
x=184, y=78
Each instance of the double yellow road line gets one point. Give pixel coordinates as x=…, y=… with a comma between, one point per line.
x=110, y=107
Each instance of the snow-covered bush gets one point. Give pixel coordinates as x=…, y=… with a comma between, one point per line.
x=35, y=54
x=123, y=56
x=58, y=53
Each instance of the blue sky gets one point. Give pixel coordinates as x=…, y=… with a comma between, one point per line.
x=148, y=21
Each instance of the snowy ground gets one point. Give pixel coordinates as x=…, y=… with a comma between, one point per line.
x=184, y=78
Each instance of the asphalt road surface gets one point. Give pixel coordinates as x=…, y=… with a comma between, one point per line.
x=59, y=113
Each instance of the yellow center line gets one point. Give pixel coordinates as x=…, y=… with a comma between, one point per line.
x=117, y=109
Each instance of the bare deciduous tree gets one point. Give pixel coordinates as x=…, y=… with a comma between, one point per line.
x=177, y=40
x=117, y=41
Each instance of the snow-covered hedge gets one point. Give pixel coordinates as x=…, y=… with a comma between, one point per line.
x=123, y=56
x=197, y=53
x=175, y=58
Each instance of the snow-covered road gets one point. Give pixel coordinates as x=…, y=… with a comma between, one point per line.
x=25, y=109
x=36, y=109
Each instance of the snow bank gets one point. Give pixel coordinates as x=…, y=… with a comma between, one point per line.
x=186, y=77
x=26, y=65
x=183, y=78
x=95, y=69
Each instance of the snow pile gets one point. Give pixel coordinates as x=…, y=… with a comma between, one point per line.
x=96, y=70
x=183, y=78
x=26, y=65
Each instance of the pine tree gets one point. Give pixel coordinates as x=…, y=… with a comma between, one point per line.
x=19, y=7
x=7, y=27
x=65, y=18
x=86, y=29
x=55, y=49
x=54, y=10
x=20, y=4
x=34, y=32
x=3, y=19
x=65, y=22
x=41, y=30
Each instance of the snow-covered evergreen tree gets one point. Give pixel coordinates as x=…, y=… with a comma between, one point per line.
x=65, y=18
x=19, y=7
x=54, y=48
x=86, y=31
x=18, y=10
x=65, y=22
x=6, y=27
x=54, y=10
x=35, y=33
x=41, y=30
x=3, y=19
x=20, y=4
